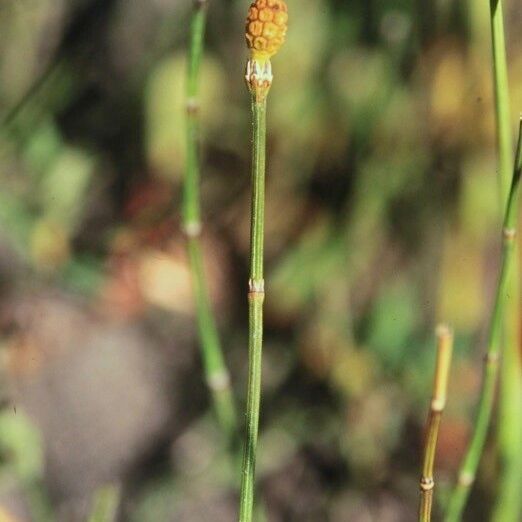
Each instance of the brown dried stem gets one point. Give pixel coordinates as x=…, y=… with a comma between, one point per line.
x=438, y=402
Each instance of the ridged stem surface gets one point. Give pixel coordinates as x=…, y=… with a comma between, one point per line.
x=475, y=449
x=255, y=309
x=508, y=505
x=438, y=402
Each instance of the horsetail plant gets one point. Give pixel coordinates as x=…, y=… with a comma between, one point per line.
x=471, y=460
x=438, y=402
x=266, y=26
x=510, y=424
x=509, y=500
x=502, y=106
x=216, y=372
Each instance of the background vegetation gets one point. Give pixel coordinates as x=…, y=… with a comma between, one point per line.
x=382, y=219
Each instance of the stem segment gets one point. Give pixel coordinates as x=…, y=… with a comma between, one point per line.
x=216, y=373
x=508, y=505
x=438, y=402
x=256, y=297
x=472, y=458
x=191, y=201
x=501, y=88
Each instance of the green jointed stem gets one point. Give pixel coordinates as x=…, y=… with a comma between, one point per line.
x=255, y=310
x=502, y=108
x=216, y=373
x=191, y=203
x=508, y=505
x=474, y=452
x=257, y=223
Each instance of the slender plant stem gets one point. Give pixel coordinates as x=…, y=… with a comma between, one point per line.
x=438, y=402
x=216, y=373
x=502, y=106
x=256, y=297
x=508, y=505
x=474, y=452
x=191, y=199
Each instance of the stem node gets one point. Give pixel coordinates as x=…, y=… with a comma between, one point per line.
x=192, y=106
x=259, y=78
x=509, y=234
x=219, y=381
x=466, y=479
x=256, y=286
x=492, y=359
x=192, y=229
x=427, y=484
x=475, y=449
x=438, y=401
x=214, y=366
x=256, y=295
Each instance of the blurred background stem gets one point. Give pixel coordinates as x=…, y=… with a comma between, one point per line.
x=255, y=308
x=475, y=449
x=216, y=372
x=105, y=504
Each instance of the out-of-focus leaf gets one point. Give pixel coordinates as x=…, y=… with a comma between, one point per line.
x=392, y=323
x=42, y=148
x=6, y=516
x=83, y=275
x=462, y=293
x=20, y=445
x=105, y=504
x=166, y=107
x=50, y=247
x=16, y=220
x=372, y=429
x=64, y=188
x=480, y=214
x=363, y=81
x=302, y=271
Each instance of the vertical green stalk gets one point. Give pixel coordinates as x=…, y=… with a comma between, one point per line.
x=508, y=505
x=217, y=376
x=472, y=458
x=438, y=402
x=191, y=200
x=216, y=373
x=256, y=297
x=502, y=106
